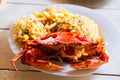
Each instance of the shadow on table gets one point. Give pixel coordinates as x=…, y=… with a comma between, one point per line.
x=87, y=3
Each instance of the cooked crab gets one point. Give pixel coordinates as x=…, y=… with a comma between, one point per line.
x=71, y=48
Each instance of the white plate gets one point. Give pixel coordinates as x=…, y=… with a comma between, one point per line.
x=110, y=30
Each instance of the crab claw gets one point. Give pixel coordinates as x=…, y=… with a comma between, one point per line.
x=88, y=64
x=46, y=65
x=92, y=63
x=32, y=57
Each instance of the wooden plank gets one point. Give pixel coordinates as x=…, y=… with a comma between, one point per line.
x=10, y=12
x=5, y=53
x=113, y=4
x=11, y=75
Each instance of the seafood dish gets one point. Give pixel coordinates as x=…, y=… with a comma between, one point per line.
x=60, y=36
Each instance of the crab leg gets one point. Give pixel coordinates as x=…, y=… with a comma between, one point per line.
x=46, y=65
x=30, y=58
x=92, y=63
x=88, y=64
x=16, y=58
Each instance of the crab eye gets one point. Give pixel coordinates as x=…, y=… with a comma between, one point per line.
x=82, y=38
x=54, y=35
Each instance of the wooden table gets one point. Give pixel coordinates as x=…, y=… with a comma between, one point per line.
x=13, y=9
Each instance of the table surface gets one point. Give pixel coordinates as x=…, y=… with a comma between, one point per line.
x=14, y=9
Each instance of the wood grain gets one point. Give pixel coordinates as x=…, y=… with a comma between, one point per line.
x=11, y=75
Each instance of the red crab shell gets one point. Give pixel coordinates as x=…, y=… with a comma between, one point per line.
x=72, y=48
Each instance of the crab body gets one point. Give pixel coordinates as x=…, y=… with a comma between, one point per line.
x=71, y=48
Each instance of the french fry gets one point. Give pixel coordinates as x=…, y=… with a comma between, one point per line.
x=36, y=13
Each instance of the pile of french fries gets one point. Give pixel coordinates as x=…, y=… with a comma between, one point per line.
x=49, y=17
